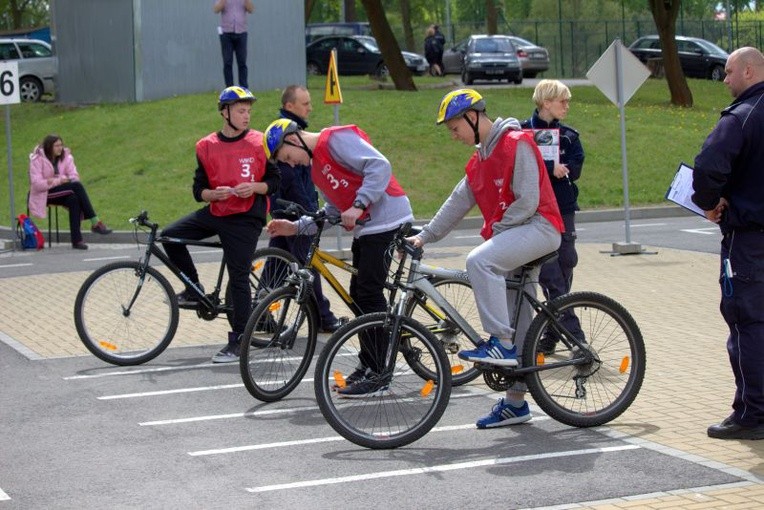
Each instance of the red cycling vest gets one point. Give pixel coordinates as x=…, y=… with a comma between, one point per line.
x=230, y=164
x=339, y=184
x=491, y=180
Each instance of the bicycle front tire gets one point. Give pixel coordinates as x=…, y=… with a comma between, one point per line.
x=594, y=393
x=117, y=335
x=407, y=409
x=278, y=345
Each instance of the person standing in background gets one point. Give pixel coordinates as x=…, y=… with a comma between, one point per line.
x=728, y=185
x=297, y=186
x=233, y=37
x=552, y=98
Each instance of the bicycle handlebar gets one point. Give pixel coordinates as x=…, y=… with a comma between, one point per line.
x=297, y=209
x=143, y=220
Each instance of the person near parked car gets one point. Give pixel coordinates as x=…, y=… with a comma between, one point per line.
x=431, y=52
x=233, y=37
x=507, y=179
x=371, y=193
x=54, y=180
x=297, y=186
x=440, y=41
x=552, y=98
x=729, y=186
x=233, y=177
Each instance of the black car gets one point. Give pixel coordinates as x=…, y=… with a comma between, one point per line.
x=356, y=54
x=484, y=57
x=699, y=58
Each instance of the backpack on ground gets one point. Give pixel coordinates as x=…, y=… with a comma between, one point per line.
x=30, y=236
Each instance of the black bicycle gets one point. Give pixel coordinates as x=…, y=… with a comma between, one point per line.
x=126, y=312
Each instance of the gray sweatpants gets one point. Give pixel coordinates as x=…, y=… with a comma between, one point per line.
x=498, y=257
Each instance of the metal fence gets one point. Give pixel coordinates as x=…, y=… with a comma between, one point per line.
x=575, y=45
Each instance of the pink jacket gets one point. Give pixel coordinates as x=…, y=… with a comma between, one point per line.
x=40, y=170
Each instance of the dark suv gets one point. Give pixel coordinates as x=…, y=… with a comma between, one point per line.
x=484, y=57
x=699, y=58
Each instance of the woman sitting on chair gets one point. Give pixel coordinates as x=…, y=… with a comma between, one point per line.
x=54, y=181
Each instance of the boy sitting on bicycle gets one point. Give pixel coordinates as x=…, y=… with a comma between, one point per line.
x=507, y=179
x=357, y=182
x=233, y=176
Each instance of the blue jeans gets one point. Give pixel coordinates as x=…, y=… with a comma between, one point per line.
x=230, y=43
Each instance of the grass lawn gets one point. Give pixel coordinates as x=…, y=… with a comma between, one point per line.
x=141, y=156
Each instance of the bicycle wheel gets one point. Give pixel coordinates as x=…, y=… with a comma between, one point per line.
x=116, y=335
x=269, y=269
x=278, y=344
x=596, y=392
x=409, y=406
x=459, y=294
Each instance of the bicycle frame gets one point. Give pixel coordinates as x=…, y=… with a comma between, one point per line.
x=420, y=281
x=152, y=249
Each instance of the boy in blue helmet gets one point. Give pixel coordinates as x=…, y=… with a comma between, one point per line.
x=507, y=180
x=233, y=177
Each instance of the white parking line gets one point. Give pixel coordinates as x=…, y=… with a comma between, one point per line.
x=283, y=444
x=15, y=265
x=4, y=496
x=144, y=371
x=99, y=259
x=170, y=392
x=269, y=412
x=709, y=231
x=440, y=468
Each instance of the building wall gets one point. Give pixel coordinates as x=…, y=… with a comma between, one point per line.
x=136, y=50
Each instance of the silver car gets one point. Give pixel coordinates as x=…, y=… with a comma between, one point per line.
x=37, y=66
x=533, y=59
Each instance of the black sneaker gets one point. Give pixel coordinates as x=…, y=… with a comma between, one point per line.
x=229, y=353
x=332, y=326
x=189, y=298
x=371, y=385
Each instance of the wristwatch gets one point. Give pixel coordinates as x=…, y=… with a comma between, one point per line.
x=359, y=205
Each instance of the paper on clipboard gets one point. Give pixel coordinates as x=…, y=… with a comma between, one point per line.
x=680, y=190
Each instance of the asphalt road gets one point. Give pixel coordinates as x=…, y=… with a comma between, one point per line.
x=180, y=432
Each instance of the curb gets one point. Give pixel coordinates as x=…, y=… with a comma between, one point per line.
x=470, y=223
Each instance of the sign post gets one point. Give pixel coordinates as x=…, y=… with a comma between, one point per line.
x=333, y=95
x=618, y=74
x=9, y=94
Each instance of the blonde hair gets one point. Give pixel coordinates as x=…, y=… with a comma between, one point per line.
x=430, y=31
x=549, y=90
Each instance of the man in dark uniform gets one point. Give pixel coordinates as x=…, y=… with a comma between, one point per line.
x=729, y=186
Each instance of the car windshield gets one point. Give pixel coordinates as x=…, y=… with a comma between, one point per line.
x=519, y=41
x=711, y=48
x=492, y=45
x=368, y=41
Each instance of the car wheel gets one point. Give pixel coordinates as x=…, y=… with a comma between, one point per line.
x=717, y=73
x=529, y=75
x=30, y=89
x=313, y=69
x=518, y=80
x=467, y=78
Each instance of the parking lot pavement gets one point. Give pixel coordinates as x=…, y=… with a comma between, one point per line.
x=673, y=295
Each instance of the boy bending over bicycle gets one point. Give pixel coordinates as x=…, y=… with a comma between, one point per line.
x=358, y=183
x=507, y=179
x=233, y=176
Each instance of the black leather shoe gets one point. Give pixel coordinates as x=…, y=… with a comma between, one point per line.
x=333, y=326
x=728, y=429
x=80, y=246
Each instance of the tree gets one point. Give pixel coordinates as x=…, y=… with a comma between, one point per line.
x=491, y=17
x=16, y=14
x=388, y=45
x=665, y=14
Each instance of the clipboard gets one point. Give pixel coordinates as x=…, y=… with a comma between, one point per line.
x=680, y=190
